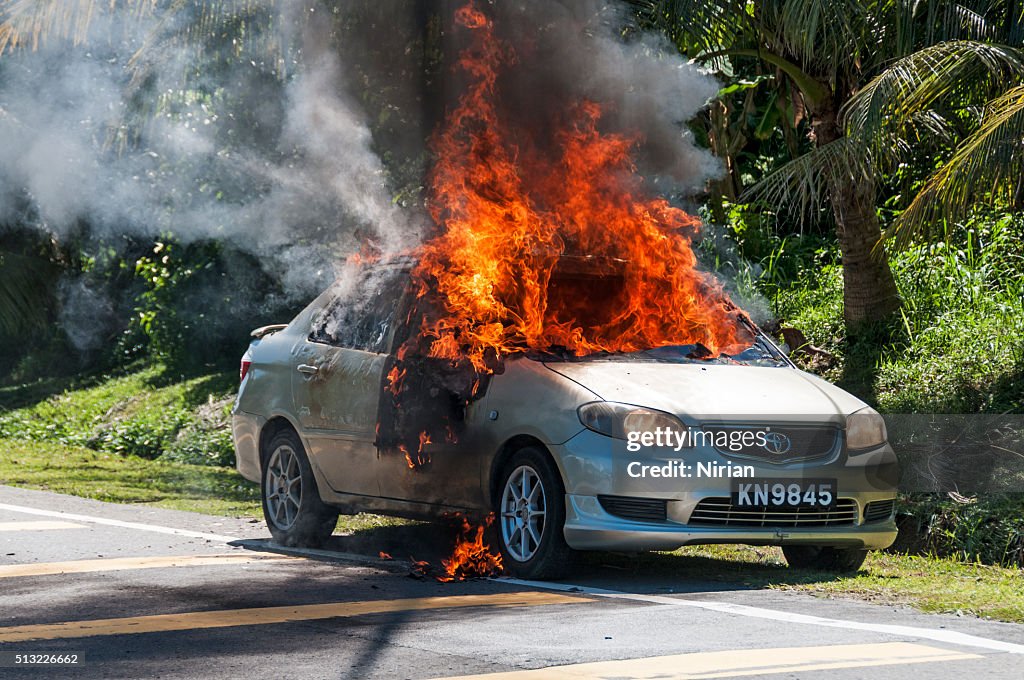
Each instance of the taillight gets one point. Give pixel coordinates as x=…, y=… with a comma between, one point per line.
x=243, y=370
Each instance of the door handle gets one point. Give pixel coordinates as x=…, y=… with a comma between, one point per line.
x=306, y=369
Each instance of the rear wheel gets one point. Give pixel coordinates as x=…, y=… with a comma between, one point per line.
x=291, y=502
x=824, y=558
x=531, y=517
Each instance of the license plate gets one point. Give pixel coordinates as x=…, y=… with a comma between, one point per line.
x=784, y=493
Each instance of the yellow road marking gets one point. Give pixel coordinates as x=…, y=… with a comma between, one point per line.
x=703, y=665
x=227, y=618
x=38, y=526
x=124, y=563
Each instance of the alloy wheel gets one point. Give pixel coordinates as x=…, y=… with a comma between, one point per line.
x=523, y=513
x=283, y=487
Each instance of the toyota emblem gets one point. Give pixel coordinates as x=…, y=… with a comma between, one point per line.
x=777, y=443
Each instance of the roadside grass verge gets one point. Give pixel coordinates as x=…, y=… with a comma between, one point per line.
x=930, y=584
x=143, y=413
x=105, y=476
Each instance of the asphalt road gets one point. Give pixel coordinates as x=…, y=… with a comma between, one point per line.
x=148, y=593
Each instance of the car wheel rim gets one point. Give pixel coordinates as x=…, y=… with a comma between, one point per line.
x=283, y=487
x=523, y=513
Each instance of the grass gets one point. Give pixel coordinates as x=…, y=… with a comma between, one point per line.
x=958, y=344
x=927, y=583
x=105, y=476
x=141, y=413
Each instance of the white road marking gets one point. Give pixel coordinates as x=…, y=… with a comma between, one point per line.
x=937, y=635
x=118, y=523
x=38, y=526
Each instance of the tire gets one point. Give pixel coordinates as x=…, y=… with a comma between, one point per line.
x=824, y=558
x=530, y=527
x=291, y=501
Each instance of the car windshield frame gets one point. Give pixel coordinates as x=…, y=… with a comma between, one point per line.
x=770, y=354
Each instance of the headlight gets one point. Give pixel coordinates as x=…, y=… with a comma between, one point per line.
x=618, y=420
x=865, y=429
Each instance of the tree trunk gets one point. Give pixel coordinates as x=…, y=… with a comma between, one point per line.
x=869, y=289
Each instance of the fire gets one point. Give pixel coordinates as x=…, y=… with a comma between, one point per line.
x=512, y=210
x=419, y=568
x=422, y=456
x=394, y=379
x=385, y=556
x=471, y=556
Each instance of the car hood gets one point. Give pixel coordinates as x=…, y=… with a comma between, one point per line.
x=713, y=391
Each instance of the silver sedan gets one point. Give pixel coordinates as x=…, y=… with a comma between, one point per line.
x=647, y=450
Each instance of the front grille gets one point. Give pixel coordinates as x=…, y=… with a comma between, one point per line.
x=783, y=443
x=640, y=509
x=879, y=511
x=722, y=512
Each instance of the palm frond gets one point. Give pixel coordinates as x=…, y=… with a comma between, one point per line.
x=702, y=26
x=818, y=34
x=803, y=184
x=987, y=166
x=957, y=72
x=31, y=23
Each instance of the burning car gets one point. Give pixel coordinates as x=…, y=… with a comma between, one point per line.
x=553, y=360
x=345, y=409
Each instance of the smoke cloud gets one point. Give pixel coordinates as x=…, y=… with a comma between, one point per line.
x=291, y=143
x=570, y=50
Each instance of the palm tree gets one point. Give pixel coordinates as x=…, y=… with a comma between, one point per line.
x=969, y=92
x=827, y=51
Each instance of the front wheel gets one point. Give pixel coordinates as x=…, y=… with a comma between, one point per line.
x=531, y=517
x=291, y=502
x=824, y=558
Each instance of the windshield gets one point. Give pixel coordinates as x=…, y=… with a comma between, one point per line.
x=762, y=353
x=571, y=294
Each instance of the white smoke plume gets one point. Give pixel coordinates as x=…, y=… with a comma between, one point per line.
x=275, y=154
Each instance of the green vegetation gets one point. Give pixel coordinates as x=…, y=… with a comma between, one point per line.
x=927, y=583
x=105, y=476
x=958, y=345
x=141, y=414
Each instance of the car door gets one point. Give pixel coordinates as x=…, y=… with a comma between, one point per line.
x=428, y=453
x=336, y=378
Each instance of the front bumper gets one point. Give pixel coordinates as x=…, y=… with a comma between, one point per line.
x=588, y=526
x=591, y=466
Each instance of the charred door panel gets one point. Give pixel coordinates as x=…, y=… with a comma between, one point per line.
x=428, y=412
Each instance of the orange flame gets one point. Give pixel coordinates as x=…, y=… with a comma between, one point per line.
x=471, y=556
x=422, y=457
x=394, y=379
x=512, y=209
x=385, y=556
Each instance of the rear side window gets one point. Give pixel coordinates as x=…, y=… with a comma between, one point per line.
x=362, y=316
